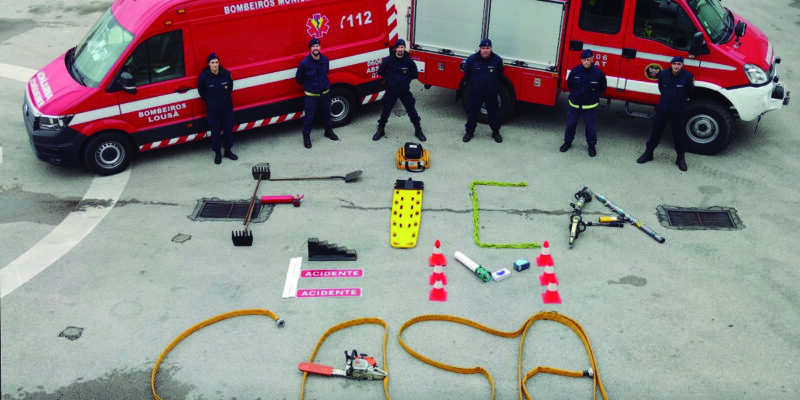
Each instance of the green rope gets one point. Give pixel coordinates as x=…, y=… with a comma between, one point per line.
x=474, y=196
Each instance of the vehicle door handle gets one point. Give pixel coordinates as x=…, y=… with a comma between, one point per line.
x=183, y=89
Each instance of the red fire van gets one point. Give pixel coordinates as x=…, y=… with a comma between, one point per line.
x=131, y=84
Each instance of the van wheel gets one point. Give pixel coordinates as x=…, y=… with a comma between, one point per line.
x=343, y=106
x=504, y=96
x=108, y=153
x=709, y=127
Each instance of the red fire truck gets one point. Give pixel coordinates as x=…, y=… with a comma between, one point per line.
x=733, y=62
x=131, y=84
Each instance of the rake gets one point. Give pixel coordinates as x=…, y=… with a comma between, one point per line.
x=245, y=237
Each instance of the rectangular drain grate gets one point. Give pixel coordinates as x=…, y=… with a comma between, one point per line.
x=227, y=210
x=723, y=218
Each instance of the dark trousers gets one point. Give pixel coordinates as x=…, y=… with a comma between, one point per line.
x=474, y=107
x=678, y=123
x=220, y=123
x=311, y=105
x=589, y=119
x=390, y=99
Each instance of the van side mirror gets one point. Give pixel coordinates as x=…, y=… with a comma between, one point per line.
x=127, y=83
x=668, y=6
x=740, y=28
x=698, y=45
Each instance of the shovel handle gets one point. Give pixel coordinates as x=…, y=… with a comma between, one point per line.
x=306, y=178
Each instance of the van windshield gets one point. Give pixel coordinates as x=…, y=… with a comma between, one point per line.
x=714, y=18
x=98, y=50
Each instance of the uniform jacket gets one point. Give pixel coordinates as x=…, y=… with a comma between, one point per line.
x=398, y=72
x=216, y=90
x=483, y=74
x=675, y=90
x=313, y=74
x=586, y=85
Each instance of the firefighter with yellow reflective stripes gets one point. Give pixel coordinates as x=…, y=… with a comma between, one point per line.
x=312, y=73
x=586, y=82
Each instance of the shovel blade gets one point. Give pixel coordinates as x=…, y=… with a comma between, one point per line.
x=352, y=176
x=242, y=238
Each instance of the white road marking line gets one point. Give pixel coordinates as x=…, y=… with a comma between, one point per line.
x=71, y=231
x=16, y=72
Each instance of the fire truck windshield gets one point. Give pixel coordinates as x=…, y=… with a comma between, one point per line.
x=97, y=52
x=714, y=18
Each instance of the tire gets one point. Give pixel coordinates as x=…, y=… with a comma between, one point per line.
x=507, y=104
x=709, y=127
x=108, y=153
x=343, y=106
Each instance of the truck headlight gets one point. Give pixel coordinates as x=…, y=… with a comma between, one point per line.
x=755, y=74
x=51, y=123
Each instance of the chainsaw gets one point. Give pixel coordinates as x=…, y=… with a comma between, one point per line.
x=357, y=366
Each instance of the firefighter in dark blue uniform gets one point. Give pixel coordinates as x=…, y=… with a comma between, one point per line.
x=313, y=75
x=398, y=70
x=586, y=83
x=482, y=72
x=676, y=86
x=215, y=86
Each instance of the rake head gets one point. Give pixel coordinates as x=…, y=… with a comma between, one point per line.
x=242, y=238
x=261, y=170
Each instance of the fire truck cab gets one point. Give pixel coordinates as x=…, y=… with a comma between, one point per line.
x=734, y=64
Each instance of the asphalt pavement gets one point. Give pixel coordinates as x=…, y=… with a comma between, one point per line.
x=709, y=314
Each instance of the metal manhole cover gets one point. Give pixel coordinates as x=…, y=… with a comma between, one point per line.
x=711, y=218
x=214, y=209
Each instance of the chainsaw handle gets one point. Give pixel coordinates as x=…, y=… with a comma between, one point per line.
x=315, y=368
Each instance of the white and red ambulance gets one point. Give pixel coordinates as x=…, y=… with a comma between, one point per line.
x=733, y=63
x=131, y=84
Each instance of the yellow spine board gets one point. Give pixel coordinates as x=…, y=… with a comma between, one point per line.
x=406, y=214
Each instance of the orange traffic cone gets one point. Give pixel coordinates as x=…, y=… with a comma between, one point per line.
x=438, y=293
x=544, y=258
x=437, y=258
x=551, y=296
x=548, y=276
x=438, y=275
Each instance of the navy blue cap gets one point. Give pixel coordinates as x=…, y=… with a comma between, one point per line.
x=486, y=42
x=313, y=42
x=587, y=54
x=211, y=56
x=399, y=42
x=677, y=59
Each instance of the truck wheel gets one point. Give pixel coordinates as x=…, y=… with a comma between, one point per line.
x=709, y=127
x=108, y=153
x=343, y=106
x=504, y=96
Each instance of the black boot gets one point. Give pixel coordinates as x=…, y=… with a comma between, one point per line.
x=592, y=150
x=229, y=154
x=496, y=136
x=681, y=163
x=418, y=132
x=645, y=157
x=564, y=147
x=379, y=133
x=467, y=137
x=307, y=140
x=330, y=135
x=217, y=157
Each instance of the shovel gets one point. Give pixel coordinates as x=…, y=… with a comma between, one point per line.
x=245, y=237
x=351, y=176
